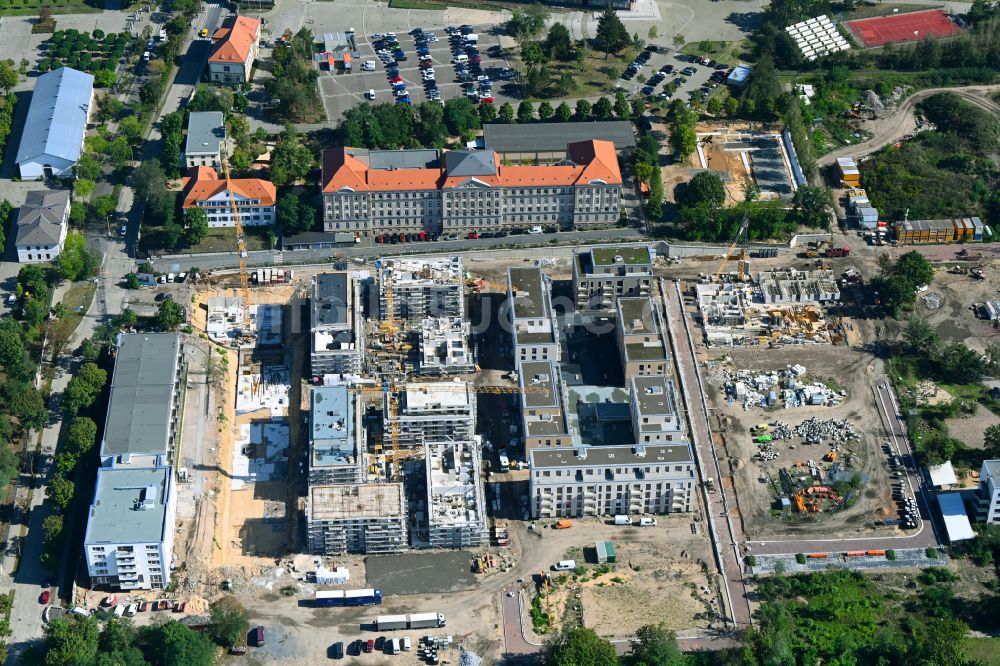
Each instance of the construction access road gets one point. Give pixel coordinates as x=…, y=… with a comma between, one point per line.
x=902, y=122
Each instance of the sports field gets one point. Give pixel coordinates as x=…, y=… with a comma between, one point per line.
x=897, y=28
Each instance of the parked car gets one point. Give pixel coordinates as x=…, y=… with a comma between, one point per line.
x=338, y=650
x=472, y=235
x=370, y=646
x=45, y=596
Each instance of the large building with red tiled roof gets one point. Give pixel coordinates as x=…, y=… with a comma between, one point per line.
x=255, y=198
x=235, y=47
x=370, y=192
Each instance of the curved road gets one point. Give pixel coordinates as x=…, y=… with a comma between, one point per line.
x=901, y=122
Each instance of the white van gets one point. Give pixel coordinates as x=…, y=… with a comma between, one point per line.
x=119, y=610
x=370, y=94
x=623, y=520
x=564, y=565
x=394, y=646
x=170, y=277
x=145, y=56
x=472, y=38
x=461, y=58
x=535, y=230
x=368, y=66
x=406, y=644
x=162, y=35
x=647, y=522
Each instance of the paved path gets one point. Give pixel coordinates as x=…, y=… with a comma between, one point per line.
x=726, y=538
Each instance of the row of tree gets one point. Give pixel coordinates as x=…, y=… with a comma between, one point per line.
x=646, y=163
x=293, y=90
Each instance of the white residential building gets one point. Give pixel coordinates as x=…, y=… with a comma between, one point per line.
x=544, y=417
x=422, y=287
x=365, y=518
x=534, y=326
x=988, y=493
x=130, y=529
x=52, y=138
x=255, y=198
x=337, y=335
x=42, y=226
x=602, y=275
x=206, y=138
x=656, y=418
x=611, y=480
x=337, y=446
x=642, y=341
x=444, y=347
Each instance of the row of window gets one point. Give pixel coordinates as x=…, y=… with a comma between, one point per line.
x=590, y=471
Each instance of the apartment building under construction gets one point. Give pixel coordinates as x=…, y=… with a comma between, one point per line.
x=456, y=512
x=422, y=288
x=368, y=518
x=433, y=412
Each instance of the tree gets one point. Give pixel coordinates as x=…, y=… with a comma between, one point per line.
x=9, y=464
x=921, y=338
x=77, y=213
x=150, y=183
x=26, y=403
x=75, y=262
x=683, y=140
x=287, y=212
x=132, y=281
x=52, y=527
x=706, y=187
x=70, y=641
x=130, y=128
x=655, y=645
x=88, y=167
x=580, y=647
x=814, y=205
x=525, y=112
x=229, y=622
x=732, y=106
x=290, y=160
x=103, y=206
x=431, y=127
x=557, y=44
x=169, y=315
x=611, y=33
x=506, y=114
x=563, y=113
x=60, y=492
x=714, y=106
x=89, y=350
x=583, y=110
x=603, y=109
x=8, y=75
x=105, y=78
x=487, y=113
x=84, y=387
x=179, y=645
x=460, y=115
x=545, y=111
x=961, y=364
x=991, y=441
x=622, y=108
x=81, y=436
x=195, y=226
x=125, y=319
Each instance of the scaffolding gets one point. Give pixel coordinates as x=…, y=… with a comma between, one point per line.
x=368, y=518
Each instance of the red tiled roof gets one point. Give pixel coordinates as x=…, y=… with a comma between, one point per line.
x=234, y=41
x=203, y=183
x=595, y=160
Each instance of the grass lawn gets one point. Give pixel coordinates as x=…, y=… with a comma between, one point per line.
x=31, y=7
x=872, y=10
x=224, y=240
x=728, y=52
x=76, y=301
x=596, y=76
x=984, y=650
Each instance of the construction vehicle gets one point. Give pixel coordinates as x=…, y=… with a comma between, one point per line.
x=563, y=525
x=248, y=333
x=844, y=251
x=741, y=240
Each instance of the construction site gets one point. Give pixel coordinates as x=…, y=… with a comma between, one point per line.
x=743, y=156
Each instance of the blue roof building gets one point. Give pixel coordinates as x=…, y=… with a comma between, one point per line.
x=738, y=77
x=57, y=121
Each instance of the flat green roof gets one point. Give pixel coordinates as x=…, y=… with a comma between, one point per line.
x=605, y=256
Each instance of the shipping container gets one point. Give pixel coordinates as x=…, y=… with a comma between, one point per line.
x=876, y=553
x=817, y=556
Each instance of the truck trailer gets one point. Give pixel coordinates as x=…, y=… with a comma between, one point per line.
x=390, y=622
x=413, y=621
x=426, y=620
x=365, y=597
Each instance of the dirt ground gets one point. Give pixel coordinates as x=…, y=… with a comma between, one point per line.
x=853, y=371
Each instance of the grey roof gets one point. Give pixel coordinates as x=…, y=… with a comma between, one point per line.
x=424, y=158
x=637, y=316
x=654, y=395
x=553, y=137
x=992, y=469
x=130, y=505
x=459, y=163
x=40, y=220
x=206, y=130
x=332, y=427
x=539, y=378
x=329, y=301
x=529, y=300
x=142, y=394
x=57, y=116
x=593, y=456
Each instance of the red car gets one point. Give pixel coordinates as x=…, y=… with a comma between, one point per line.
x=472, y=235
x=402, y=238
x=380, y=239
x=486, y=100
x=370, y=646
x=396, y=79
x=45, y=596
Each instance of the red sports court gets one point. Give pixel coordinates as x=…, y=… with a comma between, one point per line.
x=911, y=27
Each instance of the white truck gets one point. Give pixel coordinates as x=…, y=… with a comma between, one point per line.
x=413, y=621
x=426, y=620
x=390, y=622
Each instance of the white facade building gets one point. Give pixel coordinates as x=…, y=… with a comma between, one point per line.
x=534, y=326
x=988, y=493
x=42, y=226
x=656, y=418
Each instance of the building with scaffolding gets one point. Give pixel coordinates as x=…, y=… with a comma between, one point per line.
x=224, y=322
x=656, y=418
x=722, y=304
x=432, y=412
x=366, y=518
x=336, y=440
x=337, y=335
x=534, y=326
x=422, y=287
x=444, y=347
x=602, y=275
x=611, y=480
x=456, y=512
x=544, y=417
x=147, y=390
x=642, y=341
x=779, y=287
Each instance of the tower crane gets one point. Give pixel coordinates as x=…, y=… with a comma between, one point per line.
x=741, y=240
x=241, y=243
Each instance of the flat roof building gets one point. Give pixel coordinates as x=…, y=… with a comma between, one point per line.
x=545, y=142
x=987, y=500
x=642, y=340
x=205, y=139
x=544, y=417
x=444, y=347
x=956, y=520
x=52, y=138
x=337, y=446
x=366, y=518
x=456, y=509
x=534, y=326
x=422, y=287
x=602, y=275
x=432, y=412
x=656, y=417
x=145, y=400
x=337, y=334
x=129, y=540
x=611, y=480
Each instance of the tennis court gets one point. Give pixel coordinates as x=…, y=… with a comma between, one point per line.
x=911, y=27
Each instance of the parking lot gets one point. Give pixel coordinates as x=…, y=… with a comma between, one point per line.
x=678, y=84
x=343, y=90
